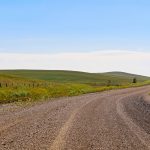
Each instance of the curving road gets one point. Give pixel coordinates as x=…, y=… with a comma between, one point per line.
x=111, y=120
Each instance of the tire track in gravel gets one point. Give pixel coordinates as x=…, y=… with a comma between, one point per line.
x=87, y=122
x=133, y=125
x=59, y=141
x=98, y=126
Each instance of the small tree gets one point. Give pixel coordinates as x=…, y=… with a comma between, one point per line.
x=134, y=80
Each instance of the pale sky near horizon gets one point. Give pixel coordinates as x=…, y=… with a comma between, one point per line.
x=83, y=35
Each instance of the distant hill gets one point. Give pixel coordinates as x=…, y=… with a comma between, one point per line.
x=129, y=75
x=74, y=76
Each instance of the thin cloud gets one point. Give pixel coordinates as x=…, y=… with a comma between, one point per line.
x=98, y=61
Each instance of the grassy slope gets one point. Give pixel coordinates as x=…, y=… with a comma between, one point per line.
x=129, y=75
x=51, y=84
x=75, y=77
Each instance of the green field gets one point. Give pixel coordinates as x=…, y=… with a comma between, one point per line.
x=33, y=85
x=75, y=77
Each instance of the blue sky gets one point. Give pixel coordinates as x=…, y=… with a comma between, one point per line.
x=83, y=35
x=51, y=26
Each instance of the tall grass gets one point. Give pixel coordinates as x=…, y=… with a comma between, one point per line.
x=53, y=90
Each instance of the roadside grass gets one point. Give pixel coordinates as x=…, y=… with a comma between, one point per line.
x=48, y=90
x=20, y=89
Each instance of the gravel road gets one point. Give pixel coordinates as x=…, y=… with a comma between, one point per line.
x=111, y=120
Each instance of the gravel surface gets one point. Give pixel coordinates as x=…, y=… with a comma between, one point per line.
x=111, y=120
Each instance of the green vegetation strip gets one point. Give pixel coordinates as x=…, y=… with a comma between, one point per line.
x=36, y=85
x=53, y=90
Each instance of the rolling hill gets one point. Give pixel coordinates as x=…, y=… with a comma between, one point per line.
x=34, y=85
x=74, y=76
